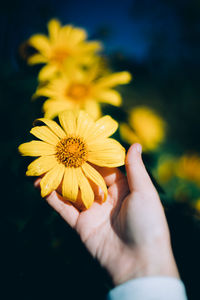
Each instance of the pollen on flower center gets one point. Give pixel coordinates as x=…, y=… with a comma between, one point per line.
x=71, y=151
x=78, y=91
x=59, y=55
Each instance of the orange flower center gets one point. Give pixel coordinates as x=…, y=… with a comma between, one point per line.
x=78, y=91
x=59, y=55
x=71, y=152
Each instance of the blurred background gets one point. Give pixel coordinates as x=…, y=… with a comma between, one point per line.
x=158, y=42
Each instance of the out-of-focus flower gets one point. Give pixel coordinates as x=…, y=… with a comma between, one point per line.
x=81, y=89
x=165, y=169
x=63, y=42
x=145, y=127
x=188, y=167
x=197, y=205
x=66, y=154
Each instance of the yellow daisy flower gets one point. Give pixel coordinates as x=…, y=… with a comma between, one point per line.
x=66, y=154
x=146, y=128
x=188, y=167
x=197, y=205
x=166, y=169
x=62, y=43
x=78, y=89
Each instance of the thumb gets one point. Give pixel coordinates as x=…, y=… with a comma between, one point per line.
x=138, y=178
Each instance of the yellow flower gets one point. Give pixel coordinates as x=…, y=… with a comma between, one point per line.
x=166, y=169
x=66, y=154
x=197, y=205
x=188, y=167
x=146, y=128
x=78, y=89
x=61, y=44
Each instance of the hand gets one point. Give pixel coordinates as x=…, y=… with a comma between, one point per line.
x=128, y=234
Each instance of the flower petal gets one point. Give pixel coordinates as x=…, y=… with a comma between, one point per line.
x=104, y=127
x=106, y=153
x=93, y=175
x=41, y=165
x=36, y=148
x=52, y=108
x=53, y=126
x=93, y=109
x=41, y=43
x=109, y=96
x=91, y=47
x=36, y=59
x=68, y=121
x=47, y=72
x=85, y=124
x=114, y=79
x=52, y=179
x=70, y=184
x=45, y=134
x=54, y=27
x=128, y=135
x=76, y=35
x=87, y=194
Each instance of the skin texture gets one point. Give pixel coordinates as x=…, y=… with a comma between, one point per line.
x=128, y=234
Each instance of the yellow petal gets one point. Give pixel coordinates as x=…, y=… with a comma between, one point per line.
x=76, y=35
x=41, y=43
x=37, y=59
x=53, y=29
x=91, y=47
x=109, y=96
x=45, y=134
x=47, y=72
x=52, y=179
x=106, y=153
x=128, y=135
x=87, y=194
x=53, y=107
x=93, y=109
x=114, y=79
x=53, y=126
x=70, y=184
x=68, y=121
x=41, y=165
x=103, y=128
x=93, y=175
x=85, y=124
x=36, y=148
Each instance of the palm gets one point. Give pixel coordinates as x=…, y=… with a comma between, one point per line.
x=126, y=231
x=95, y=225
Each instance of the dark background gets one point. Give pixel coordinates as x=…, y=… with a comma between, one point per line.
x=158, y=42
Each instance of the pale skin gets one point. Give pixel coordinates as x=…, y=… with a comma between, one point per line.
x=128, y=234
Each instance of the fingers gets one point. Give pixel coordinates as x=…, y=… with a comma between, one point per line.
x=110, y=175
x=67, y=211
x=138, y=178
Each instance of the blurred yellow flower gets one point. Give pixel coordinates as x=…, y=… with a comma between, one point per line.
x=145, y=127
x=66, y=154
x=79, y=89
x=165, y=169
x=63, y=42
x=197, y=205
x=188, y=167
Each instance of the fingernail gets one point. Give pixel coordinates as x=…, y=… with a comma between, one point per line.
x=138, y=148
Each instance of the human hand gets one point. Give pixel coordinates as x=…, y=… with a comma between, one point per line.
x=128, y=234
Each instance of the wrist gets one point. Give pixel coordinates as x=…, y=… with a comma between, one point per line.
x=147, y=264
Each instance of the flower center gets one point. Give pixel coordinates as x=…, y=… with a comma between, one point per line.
x=71, y=151
x=78, y=91
x=59, y=55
